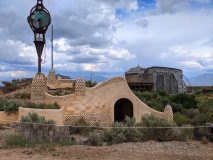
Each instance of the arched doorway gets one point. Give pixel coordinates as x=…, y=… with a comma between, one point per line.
x=123, y=107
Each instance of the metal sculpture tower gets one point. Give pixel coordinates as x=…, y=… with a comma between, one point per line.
x=39, y=21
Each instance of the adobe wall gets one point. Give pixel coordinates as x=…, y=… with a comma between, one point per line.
x=6, y=118
x=102, y=99
x=57, y=115
x=96, y=104
x=117, y=88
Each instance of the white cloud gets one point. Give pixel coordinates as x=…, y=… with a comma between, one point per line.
x=169, y=39
x=191, y=65
x=15, y=74
x=123, y=4
x=171, y=5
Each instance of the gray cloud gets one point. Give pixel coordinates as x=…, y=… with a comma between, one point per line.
x=86, y=59
x=170, y=6
x=90, y=23
x=143, y=23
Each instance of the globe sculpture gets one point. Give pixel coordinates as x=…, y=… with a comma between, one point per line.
x=39, y=21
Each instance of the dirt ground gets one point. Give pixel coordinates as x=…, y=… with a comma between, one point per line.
x=127, y=151
x=151, y=150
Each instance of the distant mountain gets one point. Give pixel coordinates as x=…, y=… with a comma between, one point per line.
x=96, y=78
x=63, y=77
x=205, y=79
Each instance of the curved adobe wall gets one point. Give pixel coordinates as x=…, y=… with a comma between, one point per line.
x=114, y=89
x=61, y=100
x=102, y=99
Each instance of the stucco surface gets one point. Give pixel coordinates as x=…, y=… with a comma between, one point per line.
x=6, y=118
x=102, y=99
x=57, y=115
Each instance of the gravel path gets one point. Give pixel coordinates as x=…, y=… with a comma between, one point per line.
x=128, y=151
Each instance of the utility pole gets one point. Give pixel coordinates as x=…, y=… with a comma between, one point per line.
x=52, y=48
x=91, y=74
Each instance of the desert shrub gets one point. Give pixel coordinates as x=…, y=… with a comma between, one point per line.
x=122, y=132
x=155, y=104
x=186, y=133
x=34, y=127
x=9, y=105
x=15, y=84
x=17, y=141
x=204, y=140
x=37, y=128
x=95, y=139
x=118, y=133
x=200, y=133
x=90, y=84
x=23, y=95
x=9, y=86
x=176, y=107
x=80, y=127
x=41, y=106
x=149, y=95
x=1, y=105
x=180, y=119
x=163, y=93
x=187, y=101
x=158, y=134
x=61, y=92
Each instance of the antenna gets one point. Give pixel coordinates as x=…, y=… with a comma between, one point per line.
x=91, y=74
x=52, y=49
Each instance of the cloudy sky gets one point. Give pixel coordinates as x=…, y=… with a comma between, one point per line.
x=110, y=35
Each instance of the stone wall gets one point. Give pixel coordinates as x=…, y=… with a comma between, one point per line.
x=57, y=115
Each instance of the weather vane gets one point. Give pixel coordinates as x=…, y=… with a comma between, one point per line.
x=39, y=21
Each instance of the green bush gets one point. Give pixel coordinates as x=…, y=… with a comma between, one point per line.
x=15, y=84
x=95, y=139
x=159, y=134
x=34, y=127
x=156, y=104
x=41, y=106
x=22, y=95
x=176, y=107
x=186, y=133
x=180, y=119
x=9, y=105
x=17, y=141
x=9, y=86
x=122, y=133
x=188, y=101
x=1, y=105
x=80, y=127
x=37, y=128
x=90, y=84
